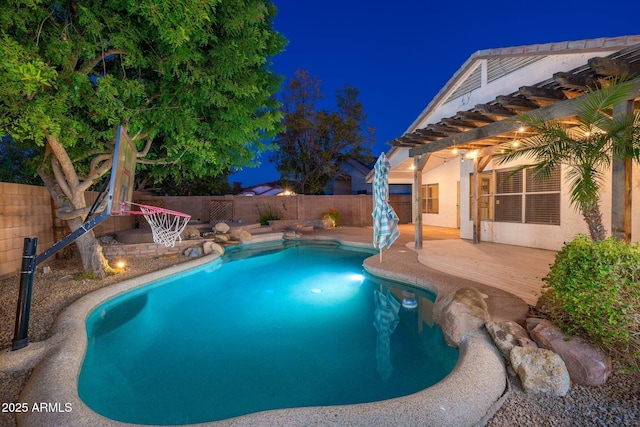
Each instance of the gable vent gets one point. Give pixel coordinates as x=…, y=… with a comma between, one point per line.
x=471, y=83
x=499, y=67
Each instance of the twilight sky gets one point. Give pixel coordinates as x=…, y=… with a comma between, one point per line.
x=400, y=53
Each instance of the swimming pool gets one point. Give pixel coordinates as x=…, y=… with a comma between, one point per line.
x=232, y=338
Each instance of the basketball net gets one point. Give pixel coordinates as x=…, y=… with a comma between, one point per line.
x=166, y=225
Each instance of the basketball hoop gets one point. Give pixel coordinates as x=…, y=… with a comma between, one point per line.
x=166, y=225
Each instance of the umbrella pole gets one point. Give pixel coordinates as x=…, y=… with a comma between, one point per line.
x=381, y=254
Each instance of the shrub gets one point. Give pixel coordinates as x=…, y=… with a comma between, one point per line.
x=593, y=290
x=267, y=213
x=333, y=215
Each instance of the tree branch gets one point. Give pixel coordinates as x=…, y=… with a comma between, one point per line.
x=64, y=162
x=99, y=166
x=160, y=161
x=145, y=150
x=89, y=65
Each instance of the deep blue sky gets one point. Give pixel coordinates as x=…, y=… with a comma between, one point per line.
x=400, y=53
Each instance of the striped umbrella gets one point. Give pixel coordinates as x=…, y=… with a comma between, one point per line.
x=385, y=220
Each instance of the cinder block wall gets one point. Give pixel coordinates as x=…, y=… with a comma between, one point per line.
x=25, y=211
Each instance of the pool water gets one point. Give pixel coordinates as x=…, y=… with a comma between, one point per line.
x=283, y=328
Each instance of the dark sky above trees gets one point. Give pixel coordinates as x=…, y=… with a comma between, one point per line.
x=400, y=54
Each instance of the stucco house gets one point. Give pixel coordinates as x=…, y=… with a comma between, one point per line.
x=446, y=154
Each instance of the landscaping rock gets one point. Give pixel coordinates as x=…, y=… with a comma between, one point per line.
x=221, y=238
x=291, y=235
x=586, y=363
x=221, y=227
x=540, y=371
x=190, y=232
x=460, y=312
x=194, y=252
x=211, y=247
x=507, y=335
x=240, y=234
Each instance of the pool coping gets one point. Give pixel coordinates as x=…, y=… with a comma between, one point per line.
x=465, y=397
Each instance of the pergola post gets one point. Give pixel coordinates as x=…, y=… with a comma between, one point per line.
x=621, y=185
x=475, y=194
x=419, y=163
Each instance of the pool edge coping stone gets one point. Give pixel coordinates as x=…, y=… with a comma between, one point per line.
x=463, y=398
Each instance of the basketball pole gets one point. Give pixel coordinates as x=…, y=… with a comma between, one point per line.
x=122, y=172
x=27, y=273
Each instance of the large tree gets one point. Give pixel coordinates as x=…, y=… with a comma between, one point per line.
x=189, y=79
x=586, y=150
x=318, y=142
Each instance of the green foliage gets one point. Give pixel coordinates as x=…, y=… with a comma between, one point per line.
x=593, y=290
x=318, y=142
x=267, y=212
x=333, y=215
x=191, y=76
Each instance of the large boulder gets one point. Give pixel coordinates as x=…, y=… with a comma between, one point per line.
x=221, y=238
x=221, y=227
x=460, y=312
x=541, y=371
x=190, y=232
x=507, y=335
x=240, y=234
x=211, y=247
x=587, y=364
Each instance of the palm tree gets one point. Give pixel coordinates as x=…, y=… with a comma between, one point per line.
x=586, y=150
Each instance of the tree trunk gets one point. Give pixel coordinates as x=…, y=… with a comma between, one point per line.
x=90, y=250
x=593, y=218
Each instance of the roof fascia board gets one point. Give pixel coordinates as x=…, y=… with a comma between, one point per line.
x=603, y=44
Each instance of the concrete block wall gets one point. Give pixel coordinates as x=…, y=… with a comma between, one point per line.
x=25, y=211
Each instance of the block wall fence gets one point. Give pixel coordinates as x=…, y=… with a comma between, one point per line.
x=28, y=211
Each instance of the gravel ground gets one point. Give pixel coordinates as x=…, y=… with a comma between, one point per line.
x=615, y=404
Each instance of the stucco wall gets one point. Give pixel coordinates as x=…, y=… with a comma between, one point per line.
x=532, y=235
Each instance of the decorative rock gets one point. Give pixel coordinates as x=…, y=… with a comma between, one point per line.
x=540, y=371
x=459, y=313
x=290, y=235
x=587, y=364
x=211, y=247
x=194, y=252
x=221, y=238
x=507, y=335
x=221, y=227
x=240, y=234
x=190, y=232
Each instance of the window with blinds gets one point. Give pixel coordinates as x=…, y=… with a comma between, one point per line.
x=542, y=203
x=508, y=200
x=520, y=197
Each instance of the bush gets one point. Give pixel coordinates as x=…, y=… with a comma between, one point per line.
x=333, y=215
x=593, y=290
x=267, y=213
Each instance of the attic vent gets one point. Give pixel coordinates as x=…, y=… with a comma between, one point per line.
x=471, y=83
x=499, y=67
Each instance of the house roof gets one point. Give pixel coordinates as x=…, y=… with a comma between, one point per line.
x=484, y=124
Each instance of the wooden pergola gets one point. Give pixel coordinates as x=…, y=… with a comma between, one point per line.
x=497, y=122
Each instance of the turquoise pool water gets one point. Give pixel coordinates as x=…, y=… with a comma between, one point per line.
x=281, y=328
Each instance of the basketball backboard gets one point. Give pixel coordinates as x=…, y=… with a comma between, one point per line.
x=122, y=173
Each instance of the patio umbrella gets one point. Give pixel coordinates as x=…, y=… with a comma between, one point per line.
x=385, y=220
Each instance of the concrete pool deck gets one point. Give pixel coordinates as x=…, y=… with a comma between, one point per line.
x=466, y=397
